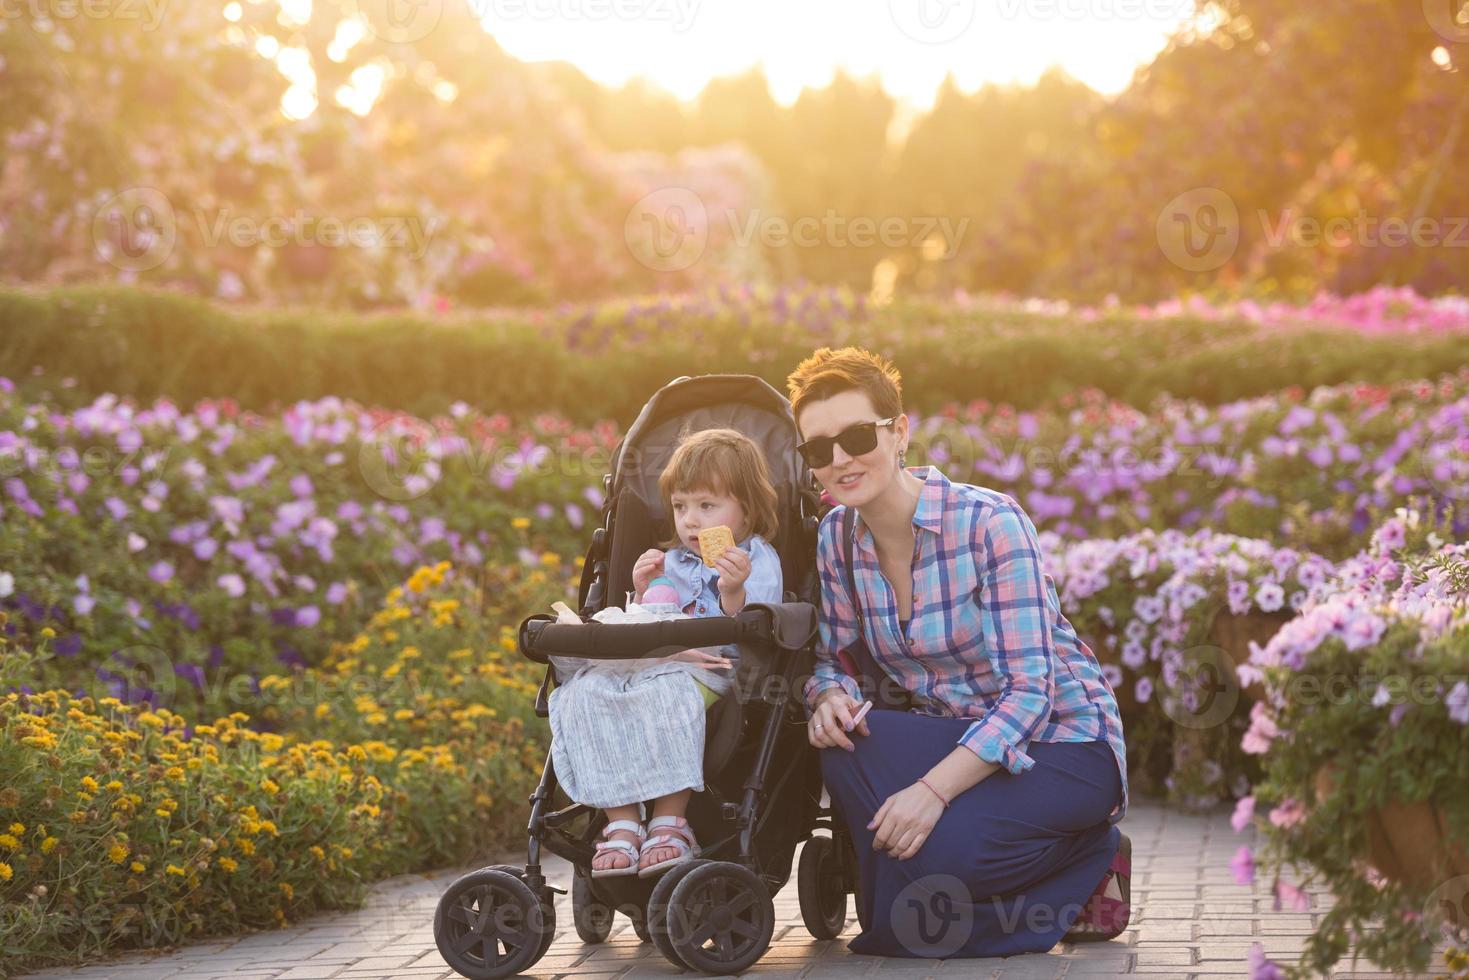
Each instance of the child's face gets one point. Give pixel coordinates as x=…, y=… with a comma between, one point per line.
x=695, y=510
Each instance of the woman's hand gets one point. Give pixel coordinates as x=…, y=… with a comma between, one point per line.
x=832, y=719
x=648, y=567
x=905, y=820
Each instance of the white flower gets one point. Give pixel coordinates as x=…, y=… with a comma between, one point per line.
x=7, y=584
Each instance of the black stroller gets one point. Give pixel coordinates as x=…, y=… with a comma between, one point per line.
x=763, y=779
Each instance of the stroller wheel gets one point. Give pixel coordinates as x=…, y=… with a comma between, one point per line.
x=721, y=918
x=822, y=890
x=658, y=910
x=489, y=924
x=592, y=916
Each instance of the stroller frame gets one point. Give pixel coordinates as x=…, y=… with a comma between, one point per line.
x=714, y=916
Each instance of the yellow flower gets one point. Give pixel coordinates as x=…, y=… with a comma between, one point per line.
x=174, y=772
x=48, y=632
x=174, y=869
x=228, y=864
x=138, y=867
x=520, y=523
x=270, y=786
x=114, y=786
x=48, y=845
x=118, y=853
x=317, y=852
x=287, y=890
x=5, y=872
x=9, y=842
x=17, y=828
x=89, y=784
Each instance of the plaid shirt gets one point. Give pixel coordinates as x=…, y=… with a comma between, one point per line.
x=987, y=639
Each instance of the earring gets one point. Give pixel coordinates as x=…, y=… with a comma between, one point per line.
x=902, y=458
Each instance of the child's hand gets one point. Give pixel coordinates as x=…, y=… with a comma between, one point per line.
x=704, y=658
x=648, y=567
x=734, y=569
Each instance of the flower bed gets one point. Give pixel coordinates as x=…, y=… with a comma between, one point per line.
x=1364, y=742
x=122, y=825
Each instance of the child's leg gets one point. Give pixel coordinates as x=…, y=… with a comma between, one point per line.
x=608, y=860
x=672, y=805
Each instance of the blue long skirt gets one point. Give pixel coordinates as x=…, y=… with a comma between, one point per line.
x=1007, y=867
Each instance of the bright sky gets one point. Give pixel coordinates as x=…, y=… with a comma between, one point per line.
x=910, y=44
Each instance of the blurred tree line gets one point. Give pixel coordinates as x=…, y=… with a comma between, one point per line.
x=483, y=180
x=1351, y=111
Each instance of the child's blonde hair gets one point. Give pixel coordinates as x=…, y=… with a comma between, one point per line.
x=722, y=461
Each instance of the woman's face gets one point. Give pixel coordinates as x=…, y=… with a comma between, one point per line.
x=695, y=510
x=853, y=480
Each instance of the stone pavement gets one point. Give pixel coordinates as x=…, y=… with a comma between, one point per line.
x=1190, y=919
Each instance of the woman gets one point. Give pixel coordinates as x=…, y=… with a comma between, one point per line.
x=984, y=818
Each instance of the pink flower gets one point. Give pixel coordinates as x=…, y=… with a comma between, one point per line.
x=1289, y=813
x=1262, y=731
x=232, y=584
x=1244, y=812
x=1286, y=893
x=1243, y=866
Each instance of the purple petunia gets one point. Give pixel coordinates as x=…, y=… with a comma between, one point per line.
x=1243, y=866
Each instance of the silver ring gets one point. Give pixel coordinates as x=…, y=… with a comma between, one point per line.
x=819, y=727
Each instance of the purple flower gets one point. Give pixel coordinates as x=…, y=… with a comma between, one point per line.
x=308, y=616
x=1262, y=968
x=1270, y=596
x=1288, y=894
x=205, y=548
x=336, y=593
x=1262, y=731
x=1243, y=866
x=1458, y=703
x=232, y=584
x=161, y=571
x=1144, y=689
x=301, y=485
x=83, y=604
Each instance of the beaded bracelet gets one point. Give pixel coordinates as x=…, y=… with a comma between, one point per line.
x=935, y=792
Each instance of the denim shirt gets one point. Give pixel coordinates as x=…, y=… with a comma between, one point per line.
x=698, y=584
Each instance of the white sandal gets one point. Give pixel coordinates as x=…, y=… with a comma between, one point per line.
x=676, y=833
x=606, y=844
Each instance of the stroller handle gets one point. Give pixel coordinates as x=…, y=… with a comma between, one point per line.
x=542, y=637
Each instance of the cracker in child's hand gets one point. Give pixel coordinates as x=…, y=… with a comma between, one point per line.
x=715, y=541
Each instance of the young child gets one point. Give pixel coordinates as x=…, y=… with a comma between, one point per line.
x=619, y=738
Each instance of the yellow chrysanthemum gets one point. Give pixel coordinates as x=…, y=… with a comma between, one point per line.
x=5, y=872
x=174, y=869
x=9, y=842
x=89, y=784
x=17, y=828
x=118, y=853
x=48, y=845
x=228, y=864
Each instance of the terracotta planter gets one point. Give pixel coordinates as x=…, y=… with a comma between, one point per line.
x=1233, y=634
x=1406, y=842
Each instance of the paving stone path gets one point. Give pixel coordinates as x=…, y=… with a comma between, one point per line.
x=1190, y=919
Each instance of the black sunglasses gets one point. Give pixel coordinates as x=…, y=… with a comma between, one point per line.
x=855, y=440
